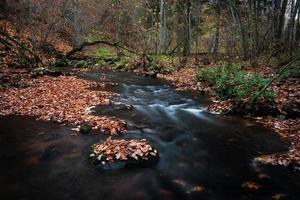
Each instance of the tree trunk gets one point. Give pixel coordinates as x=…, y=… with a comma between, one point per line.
x=118, y=24
x=240, y=27
x=215, y=46
x=187, y=44
x=281, y=20
x=197, y=16
x=291, y=23
x=163, y=39
x=75, y=21
x=298, y=29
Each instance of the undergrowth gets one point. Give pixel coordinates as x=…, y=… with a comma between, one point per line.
x=231, y=81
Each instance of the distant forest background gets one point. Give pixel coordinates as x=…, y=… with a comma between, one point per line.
x=245, y=29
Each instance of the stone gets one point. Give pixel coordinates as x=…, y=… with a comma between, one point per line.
x=85, y=128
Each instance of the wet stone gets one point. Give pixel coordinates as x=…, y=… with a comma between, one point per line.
x=85, y=128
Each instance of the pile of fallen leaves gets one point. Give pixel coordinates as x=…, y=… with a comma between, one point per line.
x=220, y=106
x=122, y=150
x=288, y=130
x=63, y=99
x=12, y=77
x=184, y=79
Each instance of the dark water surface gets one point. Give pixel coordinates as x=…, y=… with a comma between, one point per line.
x=202, y=156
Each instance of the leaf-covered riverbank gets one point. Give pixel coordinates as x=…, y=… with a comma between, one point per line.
x=63, y=99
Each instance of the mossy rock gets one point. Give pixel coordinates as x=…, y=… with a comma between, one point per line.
x=85, y=129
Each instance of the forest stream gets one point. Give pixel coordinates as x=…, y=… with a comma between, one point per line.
x=202, y=155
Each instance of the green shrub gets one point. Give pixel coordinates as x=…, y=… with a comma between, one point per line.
x=101, y=63
x=119, y=64
x=81, y=63
x=295, y=70
x=163, y=64
x=280, y=59
x=62, y=63
x=231, y=82
x=292, y=72
x=208, y=75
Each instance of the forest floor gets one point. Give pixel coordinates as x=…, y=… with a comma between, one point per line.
x=287, y=129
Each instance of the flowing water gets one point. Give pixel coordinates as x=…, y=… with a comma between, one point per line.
x=202, y=156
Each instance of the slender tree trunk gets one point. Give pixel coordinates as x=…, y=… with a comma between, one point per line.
x=118, y=24
x=187, y=45
x=298, y=29
x=215, y=47
x=31, y=13
x=163, y=40
x=253, y=28
x=281, y=20
x=291, y=23
x=75, y=22
x=197, y=16
x=275, y=17
x=240, y=27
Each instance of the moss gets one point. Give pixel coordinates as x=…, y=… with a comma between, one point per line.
x=104, y=54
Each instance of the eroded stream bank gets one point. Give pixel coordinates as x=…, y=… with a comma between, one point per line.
x=201, y=155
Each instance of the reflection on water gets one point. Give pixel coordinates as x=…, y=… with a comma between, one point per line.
x=203, y=156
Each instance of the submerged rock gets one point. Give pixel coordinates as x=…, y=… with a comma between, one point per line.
x=85, y=128
x=118, y=154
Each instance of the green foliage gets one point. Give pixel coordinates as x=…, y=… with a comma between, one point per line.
x=101, y=63
x=295, y=70
x=81, y=63
x=62, y=63
x=280, y=59
x=158, y=63
x=120, y=63
x=209, y=75
x=231, y=82
x=292, y=72
x=163, y=64
x=104, y=54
